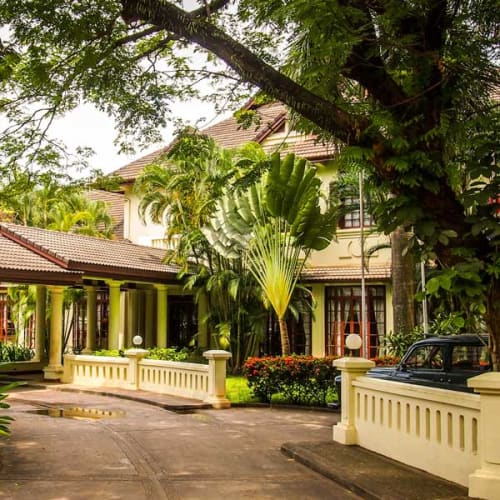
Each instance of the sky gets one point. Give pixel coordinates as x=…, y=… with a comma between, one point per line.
x=86, y=126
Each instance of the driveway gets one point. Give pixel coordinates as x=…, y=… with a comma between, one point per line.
x=144, y=452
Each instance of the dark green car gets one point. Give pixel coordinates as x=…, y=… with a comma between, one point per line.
x=444, y=362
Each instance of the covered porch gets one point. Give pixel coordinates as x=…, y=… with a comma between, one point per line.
x=125, y=290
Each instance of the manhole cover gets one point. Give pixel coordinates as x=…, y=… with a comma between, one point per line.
x=78, y=413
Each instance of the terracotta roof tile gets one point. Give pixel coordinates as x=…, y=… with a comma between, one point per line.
x=84, y=253
x=16, y=260
x=229, y=134
x=337, y=273
x=115, y=202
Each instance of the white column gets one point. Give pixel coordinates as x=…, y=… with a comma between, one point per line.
x=90, y=341
x=40, y=329
x=203, y=340
x=161, y=315
x=114, y=314
x=485, y=481
x=149, y=322
x=217, y=361
x=318, y=330
x=345, y=431
x=54, y=370
x=131, y=329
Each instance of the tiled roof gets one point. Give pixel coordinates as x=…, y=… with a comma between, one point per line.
x=104, y=258
x=337, y=273
x=115, y=202
x=130, y=171
x=309, y=147
x=19, y=263
x=229, y=134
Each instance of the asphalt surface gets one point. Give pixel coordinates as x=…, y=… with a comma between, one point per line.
x=148, y=452
x=70, y=443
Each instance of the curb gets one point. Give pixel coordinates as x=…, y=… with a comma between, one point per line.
x=288, y=450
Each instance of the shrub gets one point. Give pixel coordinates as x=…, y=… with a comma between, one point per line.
x=14, y=352
x=110, y=352
x=297, y=379
x=168, y=354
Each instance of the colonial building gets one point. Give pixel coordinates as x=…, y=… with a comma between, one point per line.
x=122, y=288
x=333, y=275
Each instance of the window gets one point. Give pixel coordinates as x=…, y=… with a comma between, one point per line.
x=343, y=316
x=474, y=358
x=426, y=358
x=351, y=217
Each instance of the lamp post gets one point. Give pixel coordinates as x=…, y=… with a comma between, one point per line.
x=353, y=342
x=363, y=285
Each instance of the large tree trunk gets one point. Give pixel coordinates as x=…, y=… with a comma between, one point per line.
x=492, y=318
x=285, y=341
x=403, y=282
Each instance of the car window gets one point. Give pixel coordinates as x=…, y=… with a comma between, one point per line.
x=470, y=357
x=426, y=357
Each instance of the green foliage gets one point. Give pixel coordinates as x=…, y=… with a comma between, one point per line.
x=5, y=420
x=237, y=390
x=273, y=226
x=14, y=352
x=169, y=354
x=396, y=344
x=298, y=379
x=110, y=352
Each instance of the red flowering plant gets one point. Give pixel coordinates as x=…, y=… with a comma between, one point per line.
x=298, y=379
x=386, y=360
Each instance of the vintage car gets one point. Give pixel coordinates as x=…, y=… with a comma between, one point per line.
x=444, y=362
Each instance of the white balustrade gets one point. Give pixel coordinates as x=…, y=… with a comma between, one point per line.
x=433, y=429
x=451, y=434
x=96, y=371
x=188, y=380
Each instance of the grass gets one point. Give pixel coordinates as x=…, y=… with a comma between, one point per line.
x=237, y=390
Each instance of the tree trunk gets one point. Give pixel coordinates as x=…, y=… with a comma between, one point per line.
x=493, y=322
x=403, y=282
x=285, y=341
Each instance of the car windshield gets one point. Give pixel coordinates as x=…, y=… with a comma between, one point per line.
x=470, y=357
x=425, y=357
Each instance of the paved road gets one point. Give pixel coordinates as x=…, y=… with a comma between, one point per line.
x=151, y=453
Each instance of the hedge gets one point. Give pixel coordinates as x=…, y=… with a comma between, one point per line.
x=302, y=380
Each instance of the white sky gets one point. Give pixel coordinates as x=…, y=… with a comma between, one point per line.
x=86, y=126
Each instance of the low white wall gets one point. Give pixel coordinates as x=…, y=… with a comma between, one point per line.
x=133, y=372
x=451, y=434
x=96, y=371
x=173, y=377
x=433, y=429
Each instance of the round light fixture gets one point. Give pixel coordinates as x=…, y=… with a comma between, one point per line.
x=353, y=342
x=137, y=340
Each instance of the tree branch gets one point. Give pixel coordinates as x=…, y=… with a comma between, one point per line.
x=209, y=8
x=252, y=69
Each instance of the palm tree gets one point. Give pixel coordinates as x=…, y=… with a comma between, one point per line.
x=180, y=191
x=274, y=225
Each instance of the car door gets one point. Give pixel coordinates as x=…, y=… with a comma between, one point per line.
x=425, y=364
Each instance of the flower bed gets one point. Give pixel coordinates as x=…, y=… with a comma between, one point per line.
x=302, y=380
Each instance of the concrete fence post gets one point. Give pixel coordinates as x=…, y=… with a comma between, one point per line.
x=485, y=481
x=345, y=431
x=134, y=356
x=217, y=361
